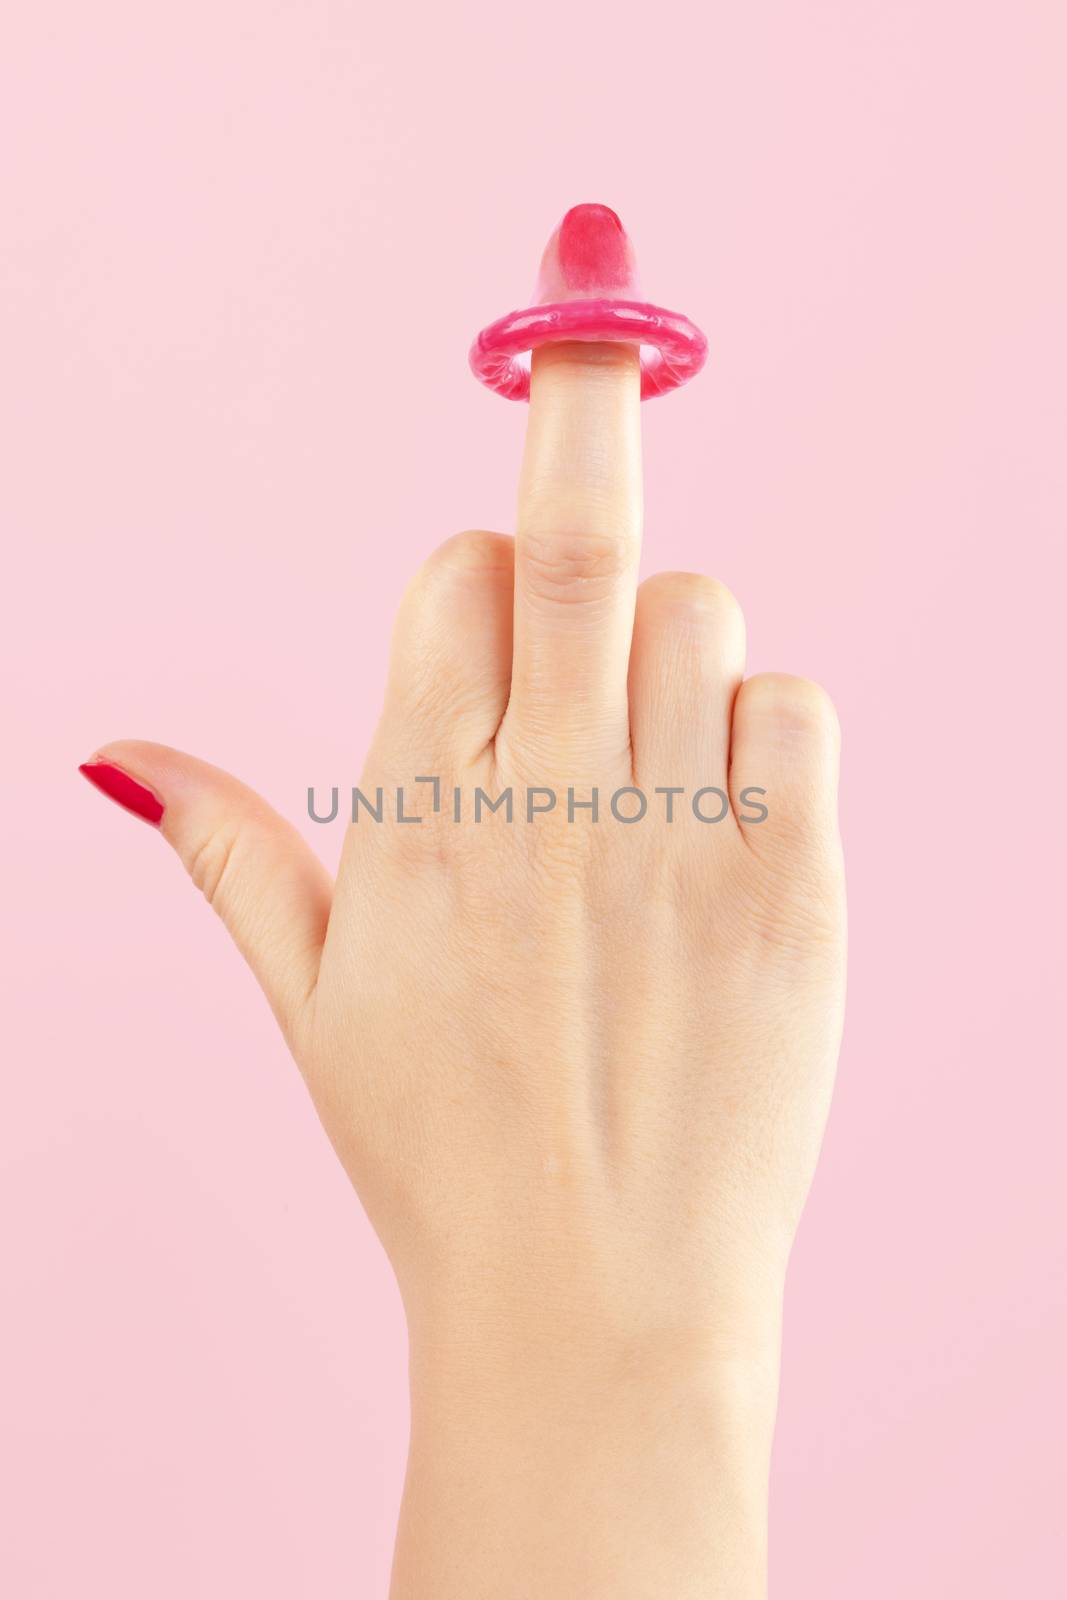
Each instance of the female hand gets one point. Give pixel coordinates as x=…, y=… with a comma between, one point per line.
x=577, y=1069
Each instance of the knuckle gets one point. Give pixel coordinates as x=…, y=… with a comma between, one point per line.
x=796, y=704
x=474, y=551
x=467, y=560
x=800, y=906
x=429, y=693
x=574, y=568
x=211, y=863
x=693, y=595
x=559, y=855
x=690, y=590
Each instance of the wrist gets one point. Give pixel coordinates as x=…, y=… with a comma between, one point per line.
x=610, y=1469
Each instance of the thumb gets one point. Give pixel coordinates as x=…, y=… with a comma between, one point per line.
x=265, y=882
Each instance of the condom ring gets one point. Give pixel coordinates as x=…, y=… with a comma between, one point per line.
x=587, y=289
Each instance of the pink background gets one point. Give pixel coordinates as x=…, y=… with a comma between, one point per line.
x=244, y=248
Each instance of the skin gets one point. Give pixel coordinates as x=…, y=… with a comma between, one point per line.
x=577, y=1073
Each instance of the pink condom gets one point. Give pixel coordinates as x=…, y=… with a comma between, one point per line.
x=587, y=289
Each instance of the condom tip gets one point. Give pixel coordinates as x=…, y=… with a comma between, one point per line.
x=589, y=257
x=587, y=289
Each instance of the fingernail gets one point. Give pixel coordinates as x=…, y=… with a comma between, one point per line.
x=124, y=790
